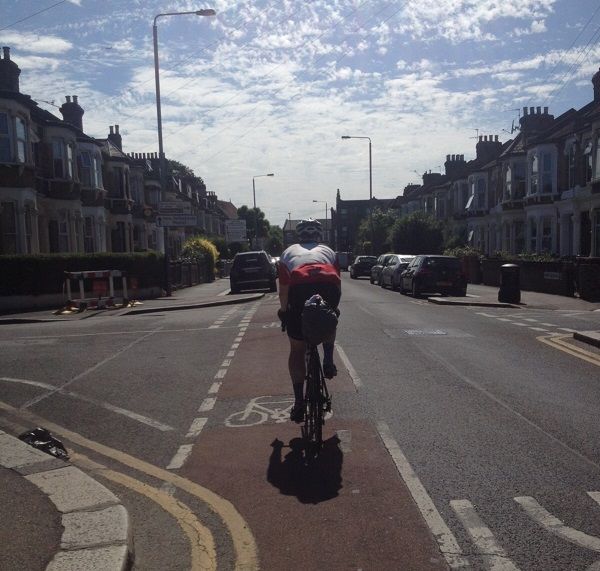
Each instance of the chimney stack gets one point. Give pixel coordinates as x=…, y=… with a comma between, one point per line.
x=115, y=138
x=72, y=113
x=9, y=72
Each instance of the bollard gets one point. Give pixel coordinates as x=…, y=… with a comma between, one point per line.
x=510, y=287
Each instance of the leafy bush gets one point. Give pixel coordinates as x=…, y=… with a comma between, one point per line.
x=197, y=249
x=463, y=252
x=417, y=233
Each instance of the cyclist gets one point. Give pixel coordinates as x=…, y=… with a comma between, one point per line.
x=305, y=269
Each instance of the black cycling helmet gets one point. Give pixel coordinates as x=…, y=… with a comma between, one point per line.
x=309, y=230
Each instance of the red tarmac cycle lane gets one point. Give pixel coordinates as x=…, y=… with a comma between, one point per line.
x=350, y=510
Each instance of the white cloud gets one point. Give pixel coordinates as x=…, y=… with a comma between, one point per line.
x=34, y=43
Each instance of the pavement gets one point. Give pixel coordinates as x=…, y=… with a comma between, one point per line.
x=56, y=517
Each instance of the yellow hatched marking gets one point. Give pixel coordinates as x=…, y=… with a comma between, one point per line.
x=558, y=342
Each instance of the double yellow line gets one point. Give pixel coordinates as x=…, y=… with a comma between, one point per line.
x=558, y=342
x=203, y=552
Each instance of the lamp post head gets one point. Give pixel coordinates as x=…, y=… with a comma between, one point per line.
x=346, y=137
x=271, y=174
x=205, y=12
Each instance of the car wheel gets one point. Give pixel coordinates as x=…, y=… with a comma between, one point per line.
x=352, y=275
x=382, y=283
x=371, y=280
x=460, y=292
x=394, y=285
x=234, y=289
x=415, y=290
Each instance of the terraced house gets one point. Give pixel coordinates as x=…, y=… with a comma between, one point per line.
x=62, y=190
x=537, y=193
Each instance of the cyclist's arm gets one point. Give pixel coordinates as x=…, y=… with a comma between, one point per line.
x=283, y=295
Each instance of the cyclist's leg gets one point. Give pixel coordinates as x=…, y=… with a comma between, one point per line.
x=331, y=294
x=296, y=363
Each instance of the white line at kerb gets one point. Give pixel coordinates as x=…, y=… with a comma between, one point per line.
x=446, y=541
x=351, y=371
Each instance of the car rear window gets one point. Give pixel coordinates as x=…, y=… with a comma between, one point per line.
x=448, y=263
x=249, y=260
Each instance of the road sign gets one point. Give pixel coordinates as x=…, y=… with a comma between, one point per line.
x=170, y=208
x=177, y=220
x=235, y=231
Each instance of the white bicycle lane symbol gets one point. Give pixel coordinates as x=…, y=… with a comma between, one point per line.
x=261, y=409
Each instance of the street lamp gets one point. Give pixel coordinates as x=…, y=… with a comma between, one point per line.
x=161, y=154
x=324, y=201
x=370, y=187
x=255, y=211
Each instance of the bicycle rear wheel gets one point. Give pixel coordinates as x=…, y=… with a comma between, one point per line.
x=314, y=419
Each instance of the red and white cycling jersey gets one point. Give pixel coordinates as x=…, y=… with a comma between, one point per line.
x=309, y=263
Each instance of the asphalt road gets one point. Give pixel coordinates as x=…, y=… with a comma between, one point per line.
x=499, y=427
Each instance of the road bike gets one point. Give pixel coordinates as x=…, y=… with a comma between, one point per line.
x=317, y=402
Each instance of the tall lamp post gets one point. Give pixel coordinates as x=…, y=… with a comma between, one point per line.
x=370, y=186
x=325, y=202
x=255, y=211
x=161, y=154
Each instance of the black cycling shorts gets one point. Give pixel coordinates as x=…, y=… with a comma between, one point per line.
x=297, y=296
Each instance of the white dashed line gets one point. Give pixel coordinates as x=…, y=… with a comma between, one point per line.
x=196, y=427
x=503, y=319
x=494, y=556
x=214, y=388
x=519, y=324
x=207, y=404
x=235, y=345
x=220, y=373
x=351, y=371
x=539, y=329
x=213, y=326
x=530, y=319
x=231, y=354
x=226, y=363
x=567, y=330
x=180, y=457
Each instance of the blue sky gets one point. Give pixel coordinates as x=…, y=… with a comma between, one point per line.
x=272, y=85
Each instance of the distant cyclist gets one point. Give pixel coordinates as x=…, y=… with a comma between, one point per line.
x=305, y=269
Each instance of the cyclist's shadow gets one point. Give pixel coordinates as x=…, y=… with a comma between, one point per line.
x=313, y=482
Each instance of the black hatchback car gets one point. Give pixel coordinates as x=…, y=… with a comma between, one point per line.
x=434, y=274
x=362, y=266
x=252, y=270
x=378, y=267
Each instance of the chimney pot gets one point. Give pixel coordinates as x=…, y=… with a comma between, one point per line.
x=6, y=51
x=74, y=98
x=539, y=110
x=480, y=138
x=117, y=128
x=68, y=99
x=110, y=128
x=447, y=158
x=545, y=110
x=532, y=110
x=524, y=111
x=453, y=158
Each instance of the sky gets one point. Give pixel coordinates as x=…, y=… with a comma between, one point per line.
x=271, y=86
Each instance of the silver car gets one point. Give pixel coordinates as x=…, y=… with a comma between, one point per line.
x=390, y=274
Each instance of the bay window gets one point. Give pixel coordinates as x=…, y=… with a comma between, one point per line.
x=481, y=193
x=571, y=166
x=62, y=159
x=588, y=160
x=533, y=189
x=5, y=152
x=547, y=173
x=21, y=139
x=546, y=234
x=508, y=183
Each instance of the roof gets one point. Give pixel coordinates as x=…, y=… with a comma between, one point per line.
x=228, y=209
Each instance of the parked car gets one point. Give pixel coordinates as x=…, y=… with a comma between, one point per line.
x=434, y=274
x=252, y=270
x=362, y=266
x=390, y=274
x=376, y=269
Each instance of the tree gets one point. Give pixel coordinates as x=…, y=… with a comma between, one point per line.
x=250, y=215
x=177, y=168
x=275, y=241
x=417, y=233
x=379, y=241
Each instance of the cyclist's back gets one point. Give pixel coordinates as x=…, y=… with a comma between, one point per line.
x=305, y=269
